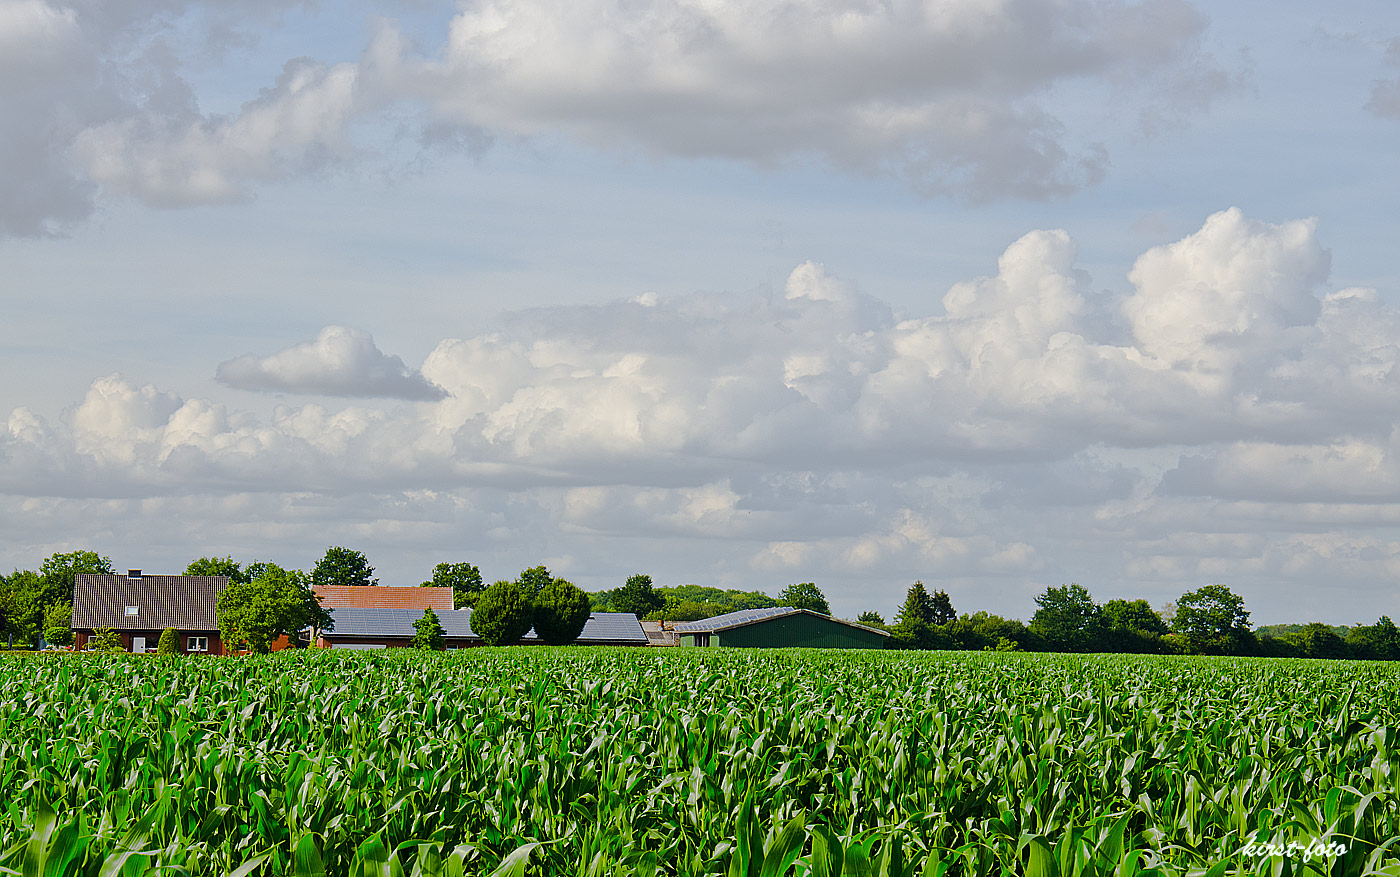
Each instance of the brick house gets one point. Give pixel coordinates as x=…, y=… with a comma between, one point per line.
x=140, y=607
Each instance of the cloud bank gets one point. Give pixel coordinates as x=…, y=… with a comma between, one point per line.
x=1223, y=417
x=955, y=99
x=339, y=362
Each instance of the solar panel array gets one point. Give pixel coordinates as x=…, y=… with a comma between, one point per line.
x=618, y=627
x=734, y=619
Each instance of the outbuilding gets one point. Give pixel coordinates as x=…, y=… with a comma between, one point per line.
x=362, y=628
x=780, y=627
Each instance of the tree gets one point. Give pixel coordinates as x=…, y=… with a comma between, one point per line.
x=913, y=624
x=1068, y=619
x=534, y=579
x=1131, y=626
x=981, y=631
x=58, y=624
x=428, y=633
x=277, y=603
x=26, y=605
x=872, y=618
x=503, y=614
x=1379, y=641
x=1213, y=621
x=561, y=611
x=218, y=566
x=341, y=566
x=60, y=570
x=169, y=638
x=637, y=596
x=1318, y=641
x=804, y=596
x=463, y=578
x=941, y=609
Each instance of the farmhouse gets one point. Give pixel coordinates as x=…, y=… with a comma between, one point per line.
x=140, y=607
x=363, y=628
x=780, y=627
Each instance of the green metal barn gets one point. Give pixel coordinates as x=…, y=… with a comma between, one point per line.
x=780, y=627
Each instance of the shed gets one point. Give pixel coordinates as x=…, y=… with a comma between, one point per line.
x=140, y=607
x=362, y=628
x=780, y=627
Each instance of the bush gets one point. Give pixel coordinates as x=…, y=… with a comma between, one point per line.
x=105, y=639
x=561, y=611
x=504, y=613
x=169, y=642
x=428, y=632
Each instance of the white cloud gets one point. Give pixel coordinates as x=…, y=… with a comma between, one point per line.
x=339, y=362
x=1224, y=416
x=953, y=98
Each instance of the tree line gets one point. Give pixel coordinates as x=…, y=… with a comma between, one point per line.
x=265, y=601
x=1211, y=620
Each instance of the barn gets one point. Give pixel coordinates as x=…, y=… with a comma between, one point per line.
x=780, y=627
x=371, y=628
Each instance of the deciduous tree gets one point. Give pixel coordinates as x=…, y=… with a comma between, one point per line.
x=805, y=595
x=342, y=566
x=637, y=596
x=218, y=566
x=1213, y=621
x=60, y=570
x=463, y=578
x=277, y=603
x=1068, y=619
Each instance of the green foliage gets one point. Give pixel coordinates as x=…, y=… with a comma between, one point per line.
x=342, y=566
x=913, y=624
x=1380, y=641
x=983, y=630
x=805, y=595
x=800, y=764
x=58, y=624
x=218, y=566
x=278, y=602
x=1067, y=620
x=1318, y=641
x=637, y=596
x=105, y=639
x=463, y=578
x=25, y=606
x=1213, y=621
x=170, y=638
x=503, y=614
x=872, y=618
x=941, y=608
x=561, y=611
x=428, y=632
x=60, y=570
x=534, y=579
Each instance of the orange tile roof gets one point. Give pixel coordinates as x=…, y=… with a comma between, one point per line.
x=384, y=597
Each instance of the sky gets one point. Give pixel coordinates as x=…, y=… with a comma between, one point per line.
x=990, y=294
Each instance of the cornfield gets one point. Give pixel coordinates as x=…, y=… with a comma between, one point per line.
x=586, y=762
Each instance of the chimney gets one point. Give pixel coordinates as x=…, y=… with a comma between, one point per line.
x=133, y=573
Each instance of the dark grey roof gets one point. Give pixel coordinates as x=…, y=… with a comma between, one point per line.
x=181, y=602
x=612, y=627
x=359, y=622
x=745, y=617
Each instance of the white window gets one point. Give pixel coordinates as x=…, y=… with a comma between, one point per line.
x=133, y=610
x=196, y=643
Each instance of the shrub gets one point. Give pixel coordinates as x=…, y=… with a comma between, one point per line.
x=428, y=632
x=105, y=639
x=561, y=611
x=169, y=642
x=504, y=613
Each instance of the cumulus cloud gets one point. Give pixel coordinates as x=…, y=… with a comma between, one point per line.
x=1223, y=414
x=953, y=98
x=338, y=362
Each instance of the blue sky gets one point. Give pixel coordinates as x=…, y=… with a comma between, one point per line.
x=992, y=295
